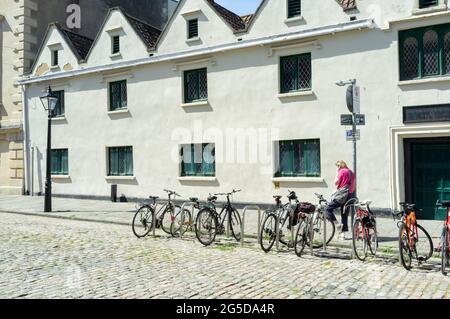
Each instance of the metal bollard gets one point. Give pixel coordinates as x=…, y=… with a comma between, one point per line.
x=154, y=220
x=311, y=232
x=324, y=233
x=244, y=212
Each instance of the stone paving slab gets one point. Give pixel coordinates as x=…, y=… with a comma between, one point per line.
x=55, y=258
x=122, y=213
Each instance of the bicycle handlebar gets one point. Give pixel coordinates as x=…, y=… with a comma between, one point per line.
x=172, y=193
x=228, y=194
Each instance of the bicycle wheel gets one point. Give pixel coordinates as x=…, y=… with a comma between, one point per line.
x=167, y=218
x=360, y=239
x=182, y=223
x=206, y=227
x=445, y=252
x=424, y=245
x=143, y=221
x=404, y=249
x=301, y=237
x=235, y=225
x=373, y=240
x=318, y=229
x=267, y=235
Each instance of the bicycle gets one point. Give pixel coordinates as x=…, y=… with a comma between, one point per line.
x=210, y=223
x=411, y=244
x=314, y=217
x=277, y=220
x=143, y=219
x=364, y=234
x=184, y=221
x=444, y=245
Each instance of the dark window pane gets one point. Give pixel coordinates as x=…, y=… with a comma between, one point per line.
x=299, y=158
x=294, y=8
x=431, y=53
x=410, y=58
x=447, y=53
x=198, y=160
x=193, y=28
x=195, y=85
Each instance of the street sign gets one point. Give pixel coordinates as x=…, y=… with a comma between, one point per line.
x=356, y=99
x=346, y=120
x=360, y=119
x=349, y=135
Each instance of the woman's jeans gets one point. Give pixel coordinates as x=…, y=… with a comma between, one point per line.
x=331, y=206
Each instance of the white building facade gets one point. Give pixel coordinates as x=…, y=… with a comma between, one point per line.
x=255, y=95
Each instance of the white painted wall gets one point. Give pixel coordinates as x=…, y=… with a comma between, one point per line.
x=55, y=40
x=131, y=46
x=243, y=93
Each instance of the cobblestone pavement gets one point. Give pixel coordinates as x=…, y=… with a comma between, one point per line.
x=47, y=258
x=122, y=213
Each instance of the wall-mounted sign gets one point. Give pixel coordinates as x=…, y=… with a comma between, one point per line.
x=426, y=113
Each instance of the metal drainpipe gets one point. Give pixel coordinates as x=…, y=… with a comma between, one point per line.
x=26, y=177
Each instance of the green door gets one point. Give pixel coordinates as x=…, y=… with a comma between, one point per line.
x=430, y=177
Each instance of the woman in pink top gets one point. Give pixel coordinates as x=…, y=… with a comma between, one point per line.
x=344, y=178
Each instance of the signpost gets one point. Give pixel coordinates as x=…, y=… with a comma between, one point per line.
x=354, y=119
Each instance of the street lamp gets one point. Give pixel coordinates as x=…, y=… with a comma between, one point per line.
x=49, y=101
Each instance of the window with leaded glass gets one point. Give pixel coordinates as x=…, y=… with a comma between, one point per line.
x=195, y=86
x=427, y=3
x=299, y=158
x=120, y=161
x=117, y=95
x=294, y=8
x=60, y=162
x=296, y=73
x=59, y=110
x=198, y=160
x=425, y=52
x=192, y=28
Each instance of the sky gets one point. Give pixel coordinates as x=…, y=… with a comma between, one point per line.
x=240, y=7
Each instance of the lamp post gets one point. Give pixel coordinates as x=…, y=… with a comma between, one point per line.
x=49, y=101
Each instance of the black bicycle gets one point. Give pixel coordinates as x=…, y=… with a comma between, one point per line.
x=210, y=223
x=143, y=219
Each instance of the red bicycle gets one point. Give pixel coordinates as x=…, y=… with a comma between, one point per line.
x=444, y=245
x=365, y=235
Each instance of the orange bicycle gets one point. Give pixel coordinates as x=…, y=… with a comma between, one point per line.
x=414, y=240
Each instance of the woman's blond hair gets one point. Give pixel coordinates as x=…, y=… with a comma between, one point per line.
x=341, y=164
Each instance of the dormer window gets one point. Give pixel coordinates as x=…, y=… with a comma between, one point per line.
x=115, y=44
x=55, y=57
x=192, y=28
x=427, y=3
x=294, y=8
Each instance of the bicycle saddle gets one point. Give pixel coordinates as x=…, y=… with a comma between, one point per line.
x=278, y=197
x=194, y=199
x=366, y=203
x=212, y=198
x=446, y=203
x=153, y=197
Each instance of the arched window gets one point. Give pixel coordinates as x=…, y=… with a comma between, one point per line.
x=410, y=58
x=430, y=53
x=424, y=52
x=447, y=53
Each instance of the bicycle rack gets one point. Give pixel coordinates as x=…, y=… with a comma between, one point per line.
x=352, y=203
x=244, y=212
x=182, y=215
